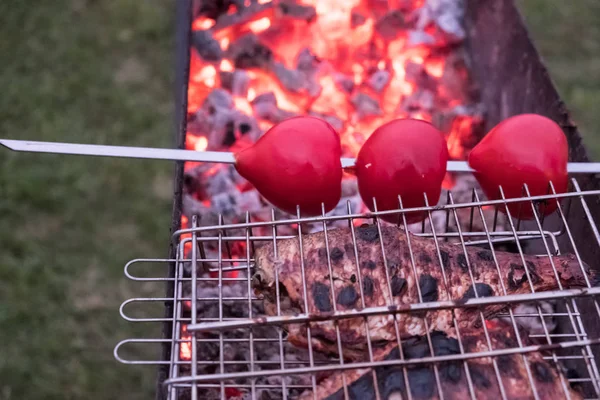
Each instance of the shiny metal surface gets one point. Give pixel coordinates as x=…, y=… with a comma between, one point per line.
x=199, y=156
x=252, y=374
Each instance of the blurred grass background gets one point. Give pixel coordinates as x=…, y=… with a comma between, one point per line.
x=567, y=34
x=101, y=72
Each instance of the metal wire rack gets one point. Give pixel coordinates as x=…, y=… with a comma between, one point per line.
x=229, y=347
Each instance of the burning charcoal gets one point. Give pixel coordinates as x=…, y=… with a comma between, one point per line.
x=313, y=88
x=379, y=80
x=391, y=25
x=229, y=138
x=455, y=83
x=357, y=19
x=334, y=121
x=265, y=98
x=221, y=124
x=217, y=99
x=230, y=125
x=207, y=47
x=240, y=82
x=265, y=107
x=245, y=13
x=420, y=100
x=419, y=38
x=248, y=52
x=366, y=106
x=465, y=121
x=297, y=11
x=200, y=125
x=213, y=8
x=246, y=125
x=416, y=74
x=445, y=14
x=292, y=80
x=226, y=78
x=193, y=207
x=296, y=81
x=344, y=82
x=307, y=62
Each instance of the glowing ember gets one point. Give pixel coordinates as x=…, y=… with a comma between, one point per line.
x=355, y=63
x=185, y=347
x=350, y=61
x=260, y=25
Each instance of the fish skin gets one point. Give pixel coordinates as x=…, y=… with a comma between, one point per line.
x=391, y=380
x=429, y=265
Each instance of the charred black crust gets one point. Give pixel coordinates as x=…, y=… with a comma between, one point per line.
x=516, y=283
x=483, y=290
x=541, y=372
x=508, y=366
x=398, y=286
x=429, y=287
x=369, y=264
x=478, y=377
x=451, y=372
x=368, y=233
x=422, y=382
x=461, y=260
x=367, y=283
x=347, y=296
x=425, y=258
x=390, y=379
x=393, y=266
x=321, y=297
x=336, y=254
x=485, y=255
x=445, y=259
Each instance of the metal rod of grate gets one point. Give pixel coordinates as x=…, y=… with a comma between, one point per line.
x=227, y=342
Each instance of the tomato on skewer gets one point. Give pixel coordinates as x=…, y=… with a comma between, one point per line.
x=404, y=157
x=524, y=149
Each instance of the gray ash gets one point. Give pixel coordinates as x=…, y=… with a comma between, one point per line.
x=301, y=64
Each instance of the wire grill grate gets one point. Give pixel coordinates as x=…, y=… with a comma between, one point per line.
x=240, y=351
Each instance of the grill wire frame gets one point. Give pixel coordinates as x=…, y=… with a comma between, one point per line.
x=183, y=373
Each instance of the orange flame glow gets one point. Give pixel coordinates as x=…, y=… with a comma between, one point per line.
x=198, y=143
x=260, y=25
x=356, y=74
x=185, y=347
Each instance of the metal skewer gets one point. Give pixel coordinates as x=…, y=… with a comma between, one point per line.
x=199, y=156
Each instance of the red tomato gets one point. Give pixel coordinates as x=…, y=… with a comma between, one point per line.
x=296, y=162
x=405, y=157
x=524, y=149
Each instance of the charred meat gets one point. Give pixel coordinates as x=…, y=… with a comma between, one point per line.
x=360, y=279
x=394, y=382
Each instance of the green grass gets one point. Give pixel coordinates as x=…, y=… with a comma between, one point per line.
x=567, y=34
x=89, y=72
x=101, y=72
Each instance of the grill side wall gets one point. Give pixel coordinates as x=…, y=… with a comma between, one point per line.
x=183, y=21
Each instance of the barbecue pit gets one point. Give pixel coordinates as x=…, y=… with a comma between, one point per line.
x=238, y=353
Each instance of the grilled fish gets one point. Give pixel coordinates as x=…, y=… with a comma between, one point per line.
x=370, y=282
x=454, y=383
